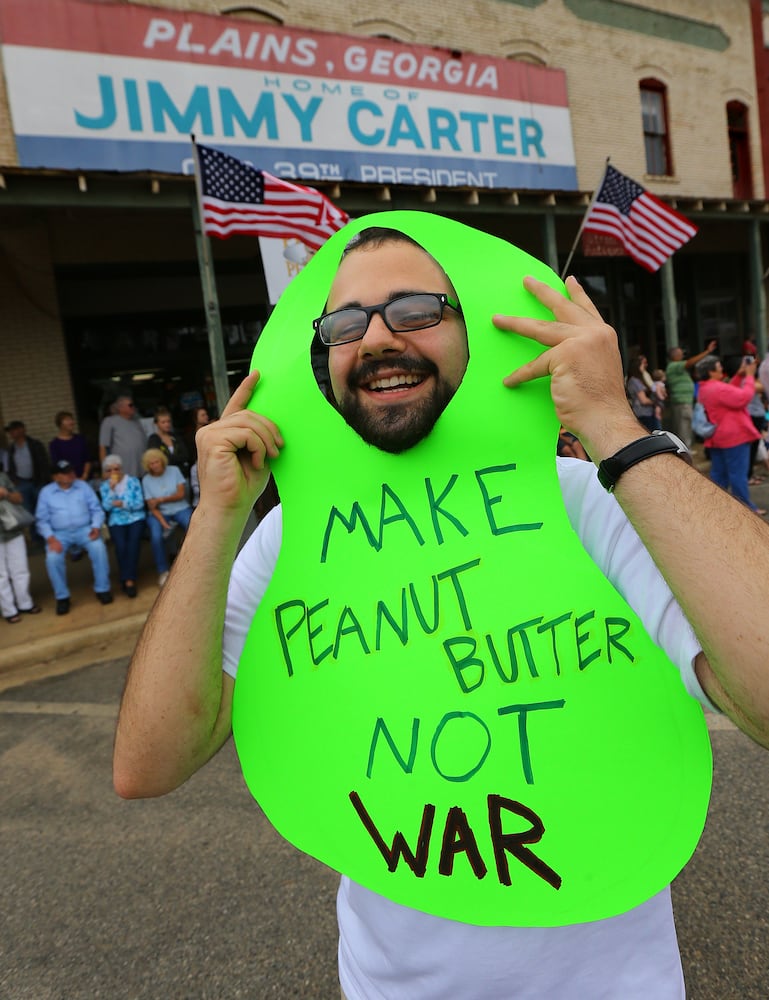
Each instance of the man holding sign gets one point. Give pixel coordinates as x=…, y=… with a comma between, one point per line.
x=514, y=770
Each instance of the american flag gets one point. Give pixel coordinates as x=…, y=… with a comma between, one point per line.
x=648, y=229
x=238, y=198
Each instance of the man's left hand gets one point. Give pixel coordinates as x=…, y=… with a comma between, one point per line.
x=584, y=363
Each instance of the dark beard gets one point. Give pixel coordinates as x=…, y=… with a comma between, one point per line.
x=402, y=425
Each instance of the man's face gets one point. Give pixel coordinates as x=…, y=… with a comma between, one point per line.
x=392, y=387
x=18, y=435
x=676, y=354
x=65, y=479
x=125, y=408
x=67, y=425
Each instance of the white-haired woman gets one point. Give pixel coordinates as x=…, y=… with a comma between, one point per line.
x=165, y=491
x=123, y=500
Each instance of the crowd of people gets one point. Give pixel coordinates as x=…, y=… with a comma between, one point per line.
x=734, y=403
x=146, y=484
x=734, y=396
x=63, y=501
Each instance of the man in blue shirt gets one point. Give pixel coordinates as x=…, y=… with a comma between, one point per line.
x=69, y=516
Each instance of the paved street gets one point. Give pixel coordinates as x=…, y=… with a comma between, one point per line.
x=190, y=896
x=194, y=896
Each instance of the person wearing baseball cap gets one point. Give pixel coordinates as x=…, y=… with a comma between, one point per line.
x=69, y=516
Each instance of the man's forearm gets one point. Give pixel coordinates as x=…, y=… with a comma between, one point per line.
x=175, y=712
x=673, y=508
x=177, y=703
x=697, y=535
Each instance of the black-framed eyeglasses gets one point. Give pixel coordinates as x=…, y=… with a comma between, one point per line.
x=415, y=311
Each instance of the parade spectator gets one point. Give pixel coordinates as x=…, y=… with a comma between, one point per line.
x=69, y=516
x=763, y=378
x=194, y=486
x=166, y=496
x=680, y=388
x=757, y=412
x=749, y=347
x=199, y=418
x=726, y=406
x=28, y=464
x=643, y=402
x=70, y=446
x=121, y=433
x=123, y=501
x=569, y=446
x=15, y=598
x=169, y=442
x=659, y=384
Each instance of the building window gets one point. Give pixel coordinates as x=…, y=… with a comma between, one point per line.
x=654, y=115
x=739, y=149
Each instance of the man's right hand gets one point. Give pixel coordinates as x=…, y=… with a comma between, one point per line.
x=177, y=704
x=234, y=453
x=54, y=544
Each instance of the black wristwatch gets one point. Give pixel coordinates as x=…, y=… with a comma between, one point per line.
x=656, y=443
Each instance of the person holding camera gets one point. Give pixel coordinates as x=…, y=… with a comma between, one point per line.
x=726, y=404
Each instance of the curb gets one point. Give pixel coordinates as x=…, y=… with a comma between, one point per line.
x=55, y=647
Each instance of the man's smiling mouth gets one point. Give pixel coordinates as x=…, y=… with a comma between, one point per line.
x=394, y=382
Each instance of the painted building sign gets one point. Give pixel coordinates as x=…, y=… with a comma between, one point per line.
x=98, y=86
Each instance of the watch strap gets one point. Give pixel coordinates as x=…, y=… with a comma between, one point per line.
x=613, y=467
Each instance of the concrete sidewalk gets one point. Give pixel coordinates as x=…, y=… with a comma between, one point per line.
x=48, y=644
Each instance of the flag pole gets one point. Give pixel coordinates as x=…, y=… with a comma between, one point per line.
x=565, y=270
x=210, y=297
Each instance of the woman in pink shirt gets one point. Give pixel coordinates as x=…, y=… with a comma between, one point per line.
x=726, y=406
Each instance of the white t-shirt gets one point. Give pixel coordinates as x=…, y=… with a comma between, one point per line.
x=391, y=952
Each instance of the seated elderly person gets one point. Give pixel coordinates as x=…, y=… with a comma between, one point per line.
x=165, y=491
x=123, y=500
x=69, y=518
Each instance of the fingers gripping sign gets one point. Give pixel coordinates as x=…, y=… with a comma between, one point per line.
x=582, y=359
x=234, y=451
